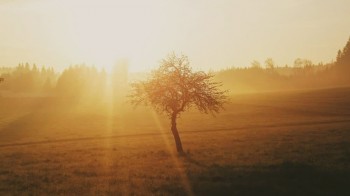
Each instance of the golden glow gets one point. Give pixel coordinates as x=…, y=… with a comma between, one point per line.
x=214, y=34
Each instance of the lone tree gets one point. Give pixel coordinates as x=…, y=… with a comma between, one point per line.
x=173, y=88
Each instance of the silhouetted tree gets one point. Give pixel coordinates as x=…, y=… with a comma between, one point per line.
x=81, y=81
x=269, y=64
x=339, y=56
x=343, y=58
x=174, y=88
x=25, y=79
x=256, y=64
x=298, y=63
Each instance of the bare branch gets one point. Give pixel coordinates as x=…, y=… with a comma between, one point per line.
x=174, y=88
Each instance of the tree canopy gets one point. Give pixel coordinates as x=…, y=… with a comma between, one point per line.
x=174, y=87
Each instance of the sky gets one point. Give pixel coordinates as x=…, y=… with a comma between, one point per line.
x=213, y=34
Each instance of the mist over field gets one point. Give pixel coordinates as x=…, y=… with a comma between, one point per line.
x=174, y=98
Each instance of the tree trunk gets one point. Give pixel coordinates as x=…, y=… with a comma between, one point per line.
x=176, y=133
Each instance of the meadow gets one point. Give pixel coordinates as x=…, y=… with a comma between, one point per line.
x=276, y=143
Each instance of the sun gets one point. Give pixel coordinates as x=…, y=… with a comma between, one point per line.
x=94, y=32
x=102, y=35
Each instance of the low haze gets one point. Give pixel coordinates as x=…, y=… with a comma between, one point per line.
x=165, y=97
x=61, y=33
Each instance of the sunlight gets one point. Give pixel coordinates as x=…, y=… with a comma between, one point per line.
x=64, y=32
x=97, y=33
x=105, y=97
x=177, y=162
x=109, y=126
x=101, y=37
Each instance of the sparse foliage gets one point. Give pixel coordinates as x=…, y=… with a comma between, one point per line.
x=174, y=88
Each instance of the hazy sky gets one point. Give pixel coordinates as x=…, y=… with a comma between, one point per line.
x=216, y=34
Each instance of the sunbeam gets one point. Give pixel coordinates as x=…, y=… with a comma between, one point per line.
x=178, y=163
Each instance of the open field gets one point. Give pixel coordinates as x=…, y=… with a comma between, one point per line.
x=287, y=143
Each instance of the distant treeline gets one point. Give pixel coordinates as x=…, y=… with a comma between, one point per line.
x=90, y=83
x=78, y=82
x=302, y=75
x=28, y=78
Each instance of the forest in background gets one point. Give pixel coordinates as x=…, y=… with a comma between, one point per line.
x=88, y=82
x=303, y=74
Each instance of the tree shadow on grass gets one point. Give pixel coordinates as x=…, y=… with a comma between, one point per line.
x=288, y=178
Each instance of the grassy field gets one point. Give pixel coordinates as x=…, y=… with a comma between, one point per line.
x=286, y=143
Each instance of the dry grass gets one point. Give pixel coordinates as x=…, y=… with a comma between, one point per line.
x=292, y=143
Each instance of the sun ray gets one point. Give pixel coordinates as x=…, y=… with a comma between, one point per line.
x=180, y=167
x=109, y=119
